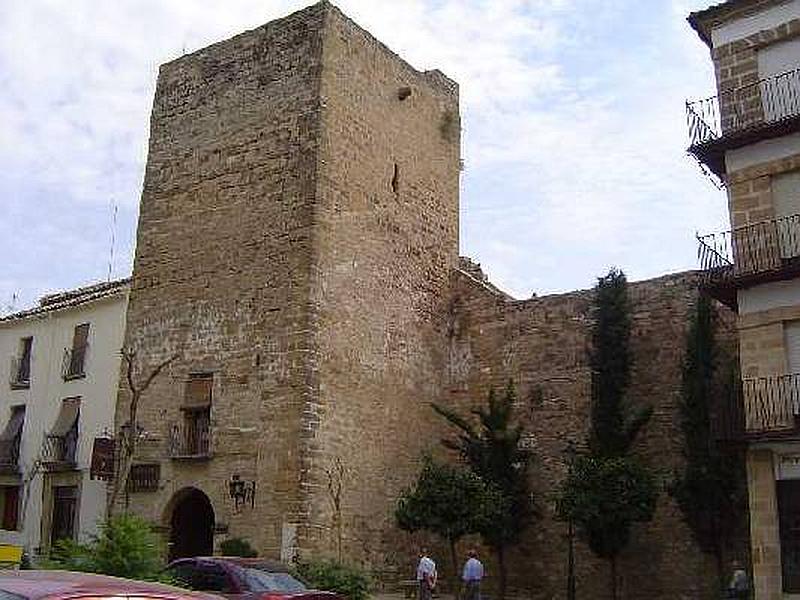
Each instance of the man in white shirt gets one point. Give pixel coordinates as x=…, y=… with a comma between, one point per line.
x=472, y=575
x=426, y=575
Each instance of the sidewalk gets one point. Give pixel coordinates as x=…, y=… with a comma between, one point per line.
x=400, y=596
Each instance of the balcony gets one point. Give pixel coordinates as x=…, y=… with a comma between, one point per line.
x=73, y=366
x=19, y=375
x=734, y=118
x=59, y=452
x=190, y=439
x=753, y=254
x=771, y=407
x=9, y=456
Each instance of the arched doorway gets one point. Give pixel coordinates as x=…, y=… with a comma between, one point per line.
x=191, y=524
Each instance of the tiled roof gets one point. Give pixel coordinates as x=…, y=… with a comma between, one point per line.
x=70, y=298
x=703, y=20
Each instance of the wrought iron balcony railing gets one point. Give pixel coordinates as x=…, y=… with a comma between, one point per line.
x=770, y=100
x=9, y=455
x=19, y=375
x=767, y=247
x=74, y=364
x=190, y=439
x=59, y=451
x=771, y=405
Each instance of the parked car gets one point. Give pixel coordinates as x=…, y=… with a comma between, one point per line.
x=66, y=585
x=243, y=579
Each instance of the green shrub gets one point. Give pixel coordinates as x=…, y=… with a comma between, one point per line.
x=237, y=547
x=125, y=547
x=351, y=582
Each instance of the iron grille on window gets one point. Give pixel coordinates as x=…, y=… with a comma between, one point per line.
x=75, y=357
x=74, y=364
x=10, y=440
x=20, y=373
x=191, y=438
x=144, y=478
x=60, y=451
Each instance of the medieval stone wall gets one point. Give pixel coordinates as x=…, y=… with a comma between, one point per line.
x=541, y=345
x=223, y=267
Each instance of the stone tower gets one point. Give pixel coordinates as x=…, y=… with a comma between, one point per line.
x=298, y=227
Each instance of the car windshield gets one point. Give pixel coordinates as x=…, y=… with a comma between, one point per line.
x=266, y=581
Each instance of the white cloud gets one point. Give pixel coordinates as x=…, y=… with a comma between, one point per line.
x=573, y=134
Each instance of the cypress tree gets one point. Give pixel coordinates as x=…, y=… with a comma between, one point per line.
x=609, y=490
x=710, y=490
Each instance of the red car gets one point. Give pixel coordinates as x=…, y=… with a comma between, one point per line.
x=243, y=579
x=65, y=585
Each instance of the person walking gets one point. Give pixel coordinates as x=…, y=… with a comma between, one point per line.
x=426, y=575
x=739, y=585
x=471, y=576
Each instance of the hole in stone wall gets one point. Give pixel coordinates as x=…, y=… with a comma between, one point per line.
x=403, y=93
x=395, y=178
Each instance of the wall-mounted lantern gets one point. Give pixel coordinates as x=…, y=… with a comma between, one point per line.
x=242, y=491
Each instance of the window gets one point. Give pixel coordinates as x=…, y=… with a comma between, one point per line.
x=211, y=578
x=9, y=507
x=21, y=364
x=65, y=505
x=61, y=444
x=191, y=437
x=205, y=577
x=10, y=439
x=144, y=478
x=75, y=357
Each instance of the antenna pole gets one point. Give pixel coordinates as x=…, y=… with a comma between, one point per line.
x=113, y=236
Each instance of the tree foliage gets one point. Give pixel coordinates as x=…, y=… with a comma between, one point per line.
x=493, y=451
x=605, y=497
x=450, y=502
x=349, y=581
x=126, y=546
x=237, y=547
x=710, y=490
x=615, y=424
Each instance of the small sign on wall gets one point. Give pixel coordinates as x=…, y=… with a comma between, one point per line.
x=102, y=465
x=788, y=466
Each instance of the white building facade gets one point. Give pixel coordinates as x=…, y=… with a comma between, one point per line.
x=64, y=365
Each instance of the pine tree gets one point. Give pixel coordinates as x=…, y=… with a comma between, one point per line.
x=493, y=452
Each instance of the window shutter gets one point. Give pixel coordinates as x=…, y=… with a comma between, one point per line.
x=80, y=336
x=198, y=391
x=67, y=416
x=791, y=335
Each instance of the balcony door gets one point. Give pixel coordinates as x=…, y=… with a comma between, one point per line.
x=791, y=381
x=65, y=509
x=786, y=201
x=788, y=492
x=779, y=87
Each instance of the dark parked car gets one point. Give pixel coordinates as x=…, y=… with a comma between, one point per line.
x=243, y=579
x=64, y=585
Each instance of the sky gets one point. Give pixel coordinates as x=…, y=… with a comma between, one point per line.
x=573, y=139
